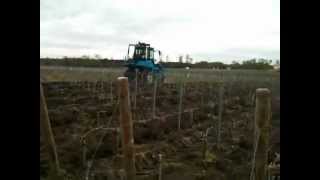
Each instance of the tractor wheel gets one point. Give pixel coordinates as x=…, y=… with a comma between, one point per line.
x=144, y=77
x=130, y=75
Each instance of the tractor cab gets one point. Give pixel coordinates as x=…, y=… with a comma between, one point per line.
x=141, y=63
x=143, y=51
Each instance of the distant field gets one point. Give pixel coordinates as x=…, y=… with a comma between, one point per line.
x=50, y=73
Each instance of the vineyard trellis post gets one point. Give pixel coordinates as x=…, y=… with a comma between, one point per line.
x=154, y=98
x=88, y=86
x=111, y=93
x=191, y=116
x=46, y=131
x=102, y=87
x=204, y=145
x=160, y=167
x=180, y=104
x=221, y=93
x=94, y=88
x=98, y=119
x=135, y=91
x=126, y=126
x=262, y=123
x=202, y=96
x=84, y=155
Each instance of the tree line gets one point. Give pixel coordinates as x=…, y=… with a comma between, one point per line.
x=257, y=64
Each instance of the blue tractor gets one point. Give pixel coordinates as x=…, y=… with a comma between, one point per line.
x=142, y=64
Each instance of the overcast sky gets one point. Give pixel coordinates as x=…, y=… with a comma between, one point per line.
x=217, y=30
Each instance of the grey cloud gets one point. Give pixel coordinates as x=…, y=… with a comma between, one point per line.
x=124, y=22
x=58, y=9
x=97, y=24
x=126, y=28
x=67, y=45
x=239, y=54
x=77, y=39
x=61, y=9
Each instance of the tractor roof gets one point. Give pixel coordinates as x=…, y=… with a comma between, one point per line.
x=143, y=44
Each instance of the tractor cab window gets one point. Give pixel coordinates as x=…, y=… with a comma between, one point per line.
x=150, y=53
x=140, y=53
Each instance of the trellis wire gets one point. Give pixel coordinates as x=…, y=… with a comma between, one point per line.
x=90, y=162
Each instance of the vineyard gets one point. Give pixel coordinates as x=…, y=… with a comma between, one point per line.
x=199, y=124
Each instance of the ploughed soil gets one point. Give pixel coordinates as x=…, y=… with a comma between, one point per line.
x=85, y=121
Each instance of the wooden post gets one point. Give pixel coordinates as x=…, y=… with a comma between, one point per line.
x=122, y=174
x=262, y=122
x=98, y=119
x=273, y=171
x=191, y=116
x=154, y=98
x=126, y=126
x=160, y=167
x=135, y=92
x=221, y=92
x=84, y=155
x=101, y=87
x=204, y=145
x=110, y=175
x=118, y=141
x=180, y=105
x=111, y=94
x=202, y=98
x=94, y=86
x=46, y=131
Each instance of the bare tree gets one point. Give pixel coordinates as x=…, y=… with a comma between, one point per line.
x=180, y=59
x=187, y=58
x=97, y=56
x=190, y=60
x=85, y=57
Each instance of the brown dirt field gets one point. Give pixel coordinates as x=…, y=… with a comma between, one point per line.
x=75, y=108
